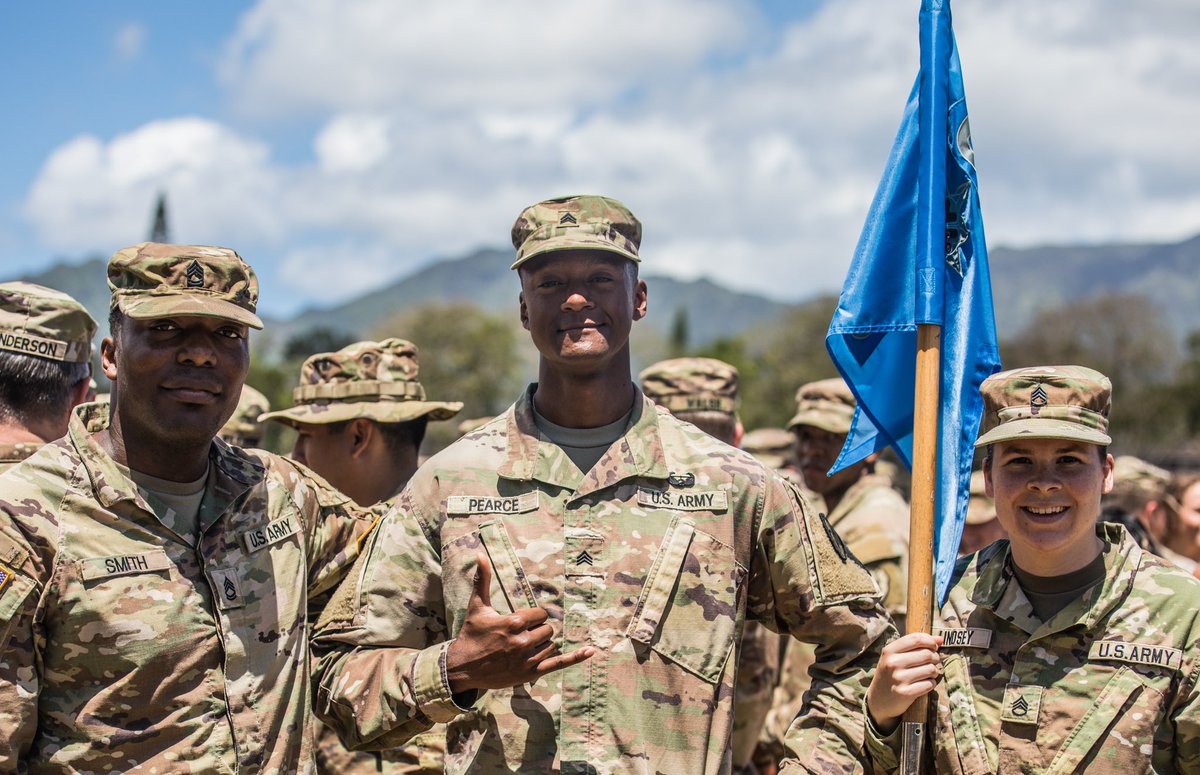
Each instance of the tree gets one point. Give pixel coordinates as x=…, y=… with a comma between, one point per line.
x=318, y=339
x=1125, y=337
x=777, y=358
x=465, y=355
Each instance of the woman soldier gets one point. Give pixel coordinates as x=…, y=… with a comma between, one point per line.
x=1065, y=648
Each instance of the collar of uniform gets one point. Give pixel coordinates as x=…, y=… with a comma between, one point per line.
x=531, y=458
x=109, y=484
x=15, y=453
x=233, y=471
x=1121, y=561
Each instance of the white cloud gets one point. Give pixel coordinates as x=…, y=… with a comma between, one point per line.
x=90, y=193
x=352, y=143
x=322, y=55
x=439, y=121
x=129, y=42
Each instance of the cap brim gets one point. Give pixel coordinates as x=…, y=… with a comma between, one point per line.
x=1038, y=428
x=379, y=411
x=822, y=421
x=190, y=305
x=579, y=242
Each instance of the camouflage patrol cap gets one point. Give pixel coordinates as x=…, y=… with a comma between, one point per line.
x=827, y=404
x=373, y=380
x=1046, y=402
x=1134, y=476
x=152, y=280
x=770, y=446
x=44, y=323
x=691, y=385
x=980, y=508
x=244, y=423
x=576, y=222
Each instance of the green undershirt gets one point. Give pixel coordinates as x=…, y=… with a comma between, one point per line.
x=1051, y=594
x=584, y=446
x=176, y=504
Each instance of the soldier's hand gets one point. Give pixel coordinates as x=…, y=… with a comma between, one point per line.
x=909, y=668
x=496, y=651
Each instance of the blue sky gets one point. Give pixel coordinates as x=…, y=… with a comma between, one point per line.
x=341, y=144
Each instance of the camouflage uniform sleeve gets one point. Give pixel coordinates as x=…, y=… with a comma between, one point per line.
x=811, y=586
x=21, y=640
x=381, y=677
x=758, y=672
x=883, y=750
x=1186, y=720
x=336, y=528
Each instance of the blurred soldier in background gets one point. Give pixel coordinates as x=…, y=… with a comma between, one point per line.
x=864, y=509
x=244, y=429
x=1139, y=501
x=45, y=366
x=703, y=391
x=982, y=527
x=360, y=416
x=1182, y=537
x=775, y=448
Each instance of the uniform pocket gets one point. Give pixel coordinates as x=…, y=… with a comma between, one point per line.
x=1121, y=720
x=687, y=611
x=510, y=585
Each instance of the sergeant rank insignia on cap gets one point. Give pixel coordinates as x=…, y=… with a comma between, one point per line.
x=567, y=218
x=1037, y=400
x=195, y=275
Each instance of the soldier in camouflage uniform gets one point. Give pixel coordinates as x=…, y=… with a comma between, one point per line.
x=773, y=447
x=566, y=586
x=703, y=391
x=981, y=527
x=45, y=366
x=244, y=429
x=156, y=581
x=360, y=416
x=868, y=514
x=1067, y=648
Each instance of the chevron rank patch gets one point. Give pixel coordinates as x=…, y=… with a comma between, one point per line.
x=1021, y=704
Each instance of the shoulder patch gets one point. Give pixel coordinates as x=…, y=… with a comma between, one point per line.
x=1137, y=653
x=692, y=500
x=838, y=575
x=488, y=504
x=124, y=565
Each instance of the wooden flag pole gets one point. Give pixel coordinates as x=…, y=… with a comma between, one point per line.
x=920, y=558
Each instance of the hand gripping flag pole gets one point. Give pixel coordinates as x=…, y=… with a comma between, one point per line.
x=914, y=334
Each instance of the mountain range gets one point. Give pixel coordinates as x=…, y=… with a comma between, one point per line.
x=1023, y=281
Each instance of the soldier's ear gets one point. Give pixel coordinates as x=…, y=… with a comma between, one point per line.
x=640, y=303
x=108, y=358
x=524, y=311
x=361, y=432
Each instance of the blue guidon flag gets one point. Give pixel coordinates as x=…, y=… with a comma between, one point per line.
x=921, y=259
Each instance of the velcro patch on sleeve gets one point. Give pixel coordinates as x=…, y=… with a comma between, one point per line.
x=964, y=637
x=124, y=565
x=692, y=500
x=1137, y=653
x=491, y=504
x=271, y=533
